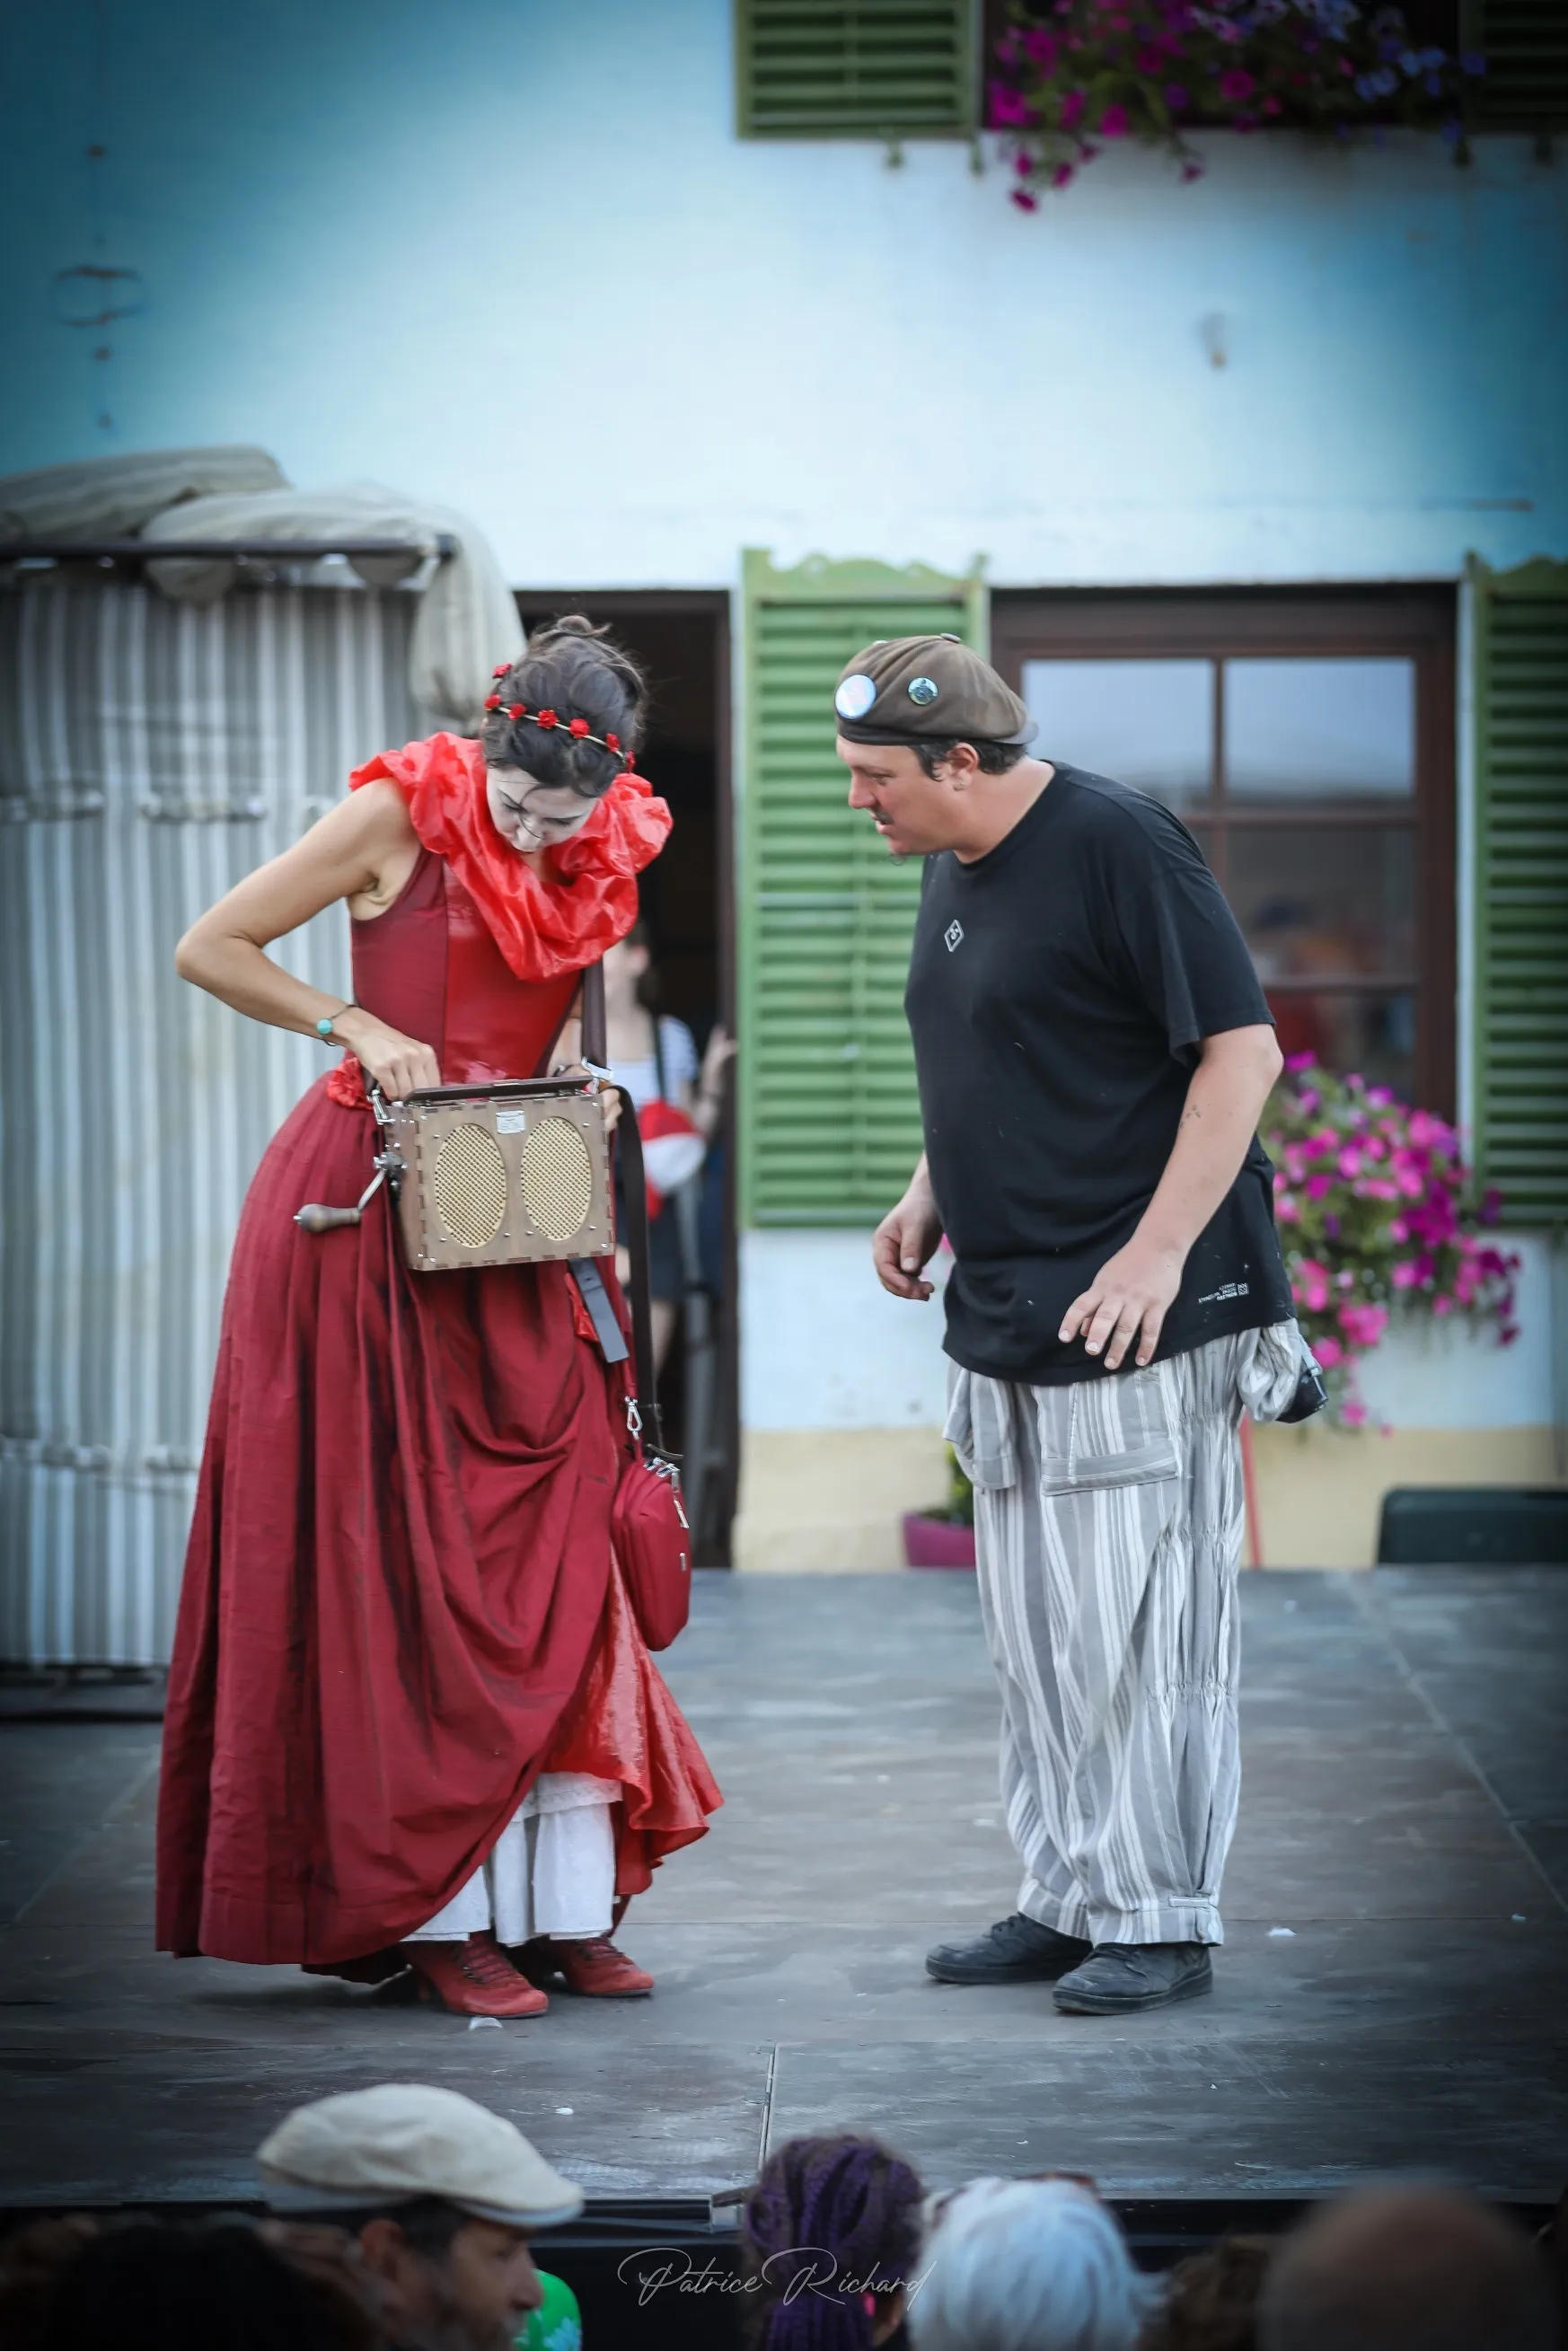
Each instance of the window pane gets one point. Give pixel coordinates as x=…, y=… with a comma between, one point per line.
x=1320, y=730
x=1149, y=723
x=1325, y=901
x=1357, y=1030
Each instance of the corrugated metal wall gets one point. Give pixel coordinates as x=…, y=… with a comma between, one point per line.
x=149, y=754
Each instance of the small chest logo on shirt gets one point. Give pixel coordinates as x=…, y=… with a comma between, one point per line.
x=953, y=935
x=1231, y=1289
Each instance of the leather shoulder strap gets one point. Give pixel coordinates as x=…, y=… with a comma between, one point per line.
x=595, y=1035
x=634, y=1191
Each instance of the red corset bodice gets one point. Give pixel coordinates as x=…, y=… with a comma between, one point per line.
x=429, y=967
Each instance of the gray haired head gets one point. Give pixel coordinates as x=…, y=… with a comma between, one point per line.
x=1028, y=2265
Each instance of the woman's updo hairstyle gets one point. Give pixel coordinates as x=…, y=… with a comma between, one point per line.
x=579, y=671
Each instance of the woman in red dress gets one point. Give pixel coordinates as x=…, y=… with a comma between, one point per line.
x=411, y=1719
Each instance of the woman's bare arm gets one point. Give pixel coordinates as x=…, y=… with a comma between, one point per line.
x=363, y=849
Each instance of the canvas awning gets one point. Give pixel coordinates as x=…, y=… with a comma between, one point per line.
x=230, y=502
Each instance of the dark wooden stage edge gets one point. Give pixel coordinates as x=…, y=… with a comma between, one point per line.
x=1388, y=2000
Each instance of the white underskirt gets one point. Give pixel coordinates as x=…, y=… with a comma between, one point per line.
x=552, y=1871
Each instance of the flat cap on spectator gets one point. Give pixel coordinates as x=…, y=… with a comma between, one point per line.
x=925, y=689
x=403, y=2140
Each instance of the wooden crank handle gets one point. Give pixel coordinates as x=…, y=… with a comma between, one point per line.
x=315, y=1219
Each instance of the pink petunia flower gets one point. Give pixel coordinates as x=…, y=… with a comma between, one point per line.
x=1009, y=108
x=1113, y=122
x=1071, y=113
x=1235, y=84
x=1314, y=1279
x=1363, y=1326
x=1328, y=1351
x=1041, y=48
x=1352, y=1412
x=1024, y=200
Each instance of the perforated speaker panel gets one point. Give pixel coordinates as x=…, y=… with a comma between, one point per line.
x=468, y=1183
x=556, y=1177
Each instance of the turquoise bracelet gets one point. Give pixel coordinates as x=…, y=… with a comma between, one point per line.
x=324, y=1031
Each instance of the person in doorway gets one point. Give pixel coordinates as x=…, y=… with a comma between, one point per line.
x=410, y=1720
x=1092, y=1050
x=655, y=1058
x=426, y=2201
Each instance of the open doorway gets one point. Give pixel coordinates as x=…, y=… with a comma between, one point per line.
x=681, y=641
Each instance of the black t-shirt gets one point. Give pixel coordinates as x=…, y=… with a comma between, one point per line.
x=1057, y=990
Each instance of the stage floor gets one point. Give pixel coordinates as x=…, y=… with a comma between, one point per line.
x=1390, y=1996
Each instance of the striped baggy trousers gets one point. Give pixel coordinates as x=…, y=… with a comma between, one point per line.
x=1108, y=1524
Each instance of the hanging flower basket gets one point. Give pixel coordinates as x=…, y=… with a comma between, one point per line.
x=1067, y=85
x=1369, y=1196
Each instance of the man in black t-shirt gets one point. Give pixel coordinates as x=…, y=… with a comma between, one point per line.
x=1092, y=1050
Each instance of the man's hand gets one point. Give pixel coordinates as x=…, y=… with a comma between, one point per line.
x=904, y=1241
x=1128, y=1299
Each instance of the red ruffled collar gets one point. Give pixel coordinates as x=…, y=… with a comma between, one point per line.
x=543, y=927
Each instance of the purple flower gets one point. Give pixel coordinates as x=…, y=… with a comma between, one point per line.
x=1008, y=110
x=1175, y=96
x=1062, y=176
x=1192, y=171
x=1071, y=109
x=1235, y=84
x=1113, y=122
x=1023, y=163
x=1024, y=200
x=1041, y=48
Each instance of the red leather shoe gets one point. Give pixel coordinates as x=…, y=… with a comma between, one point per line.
x=591, y=1965
x=474, y=1979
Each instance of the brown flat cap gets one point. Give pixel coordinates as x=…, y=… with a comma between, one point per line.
x=924, y=689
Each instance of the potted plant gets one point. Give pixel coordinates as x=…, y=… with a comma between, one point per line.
x=1370, y=1197
x=945, y=1537
x=1069, y=80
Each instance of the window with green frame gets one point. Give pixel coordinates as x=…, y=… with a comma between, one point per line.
x=829, y=1123
x=856, y=69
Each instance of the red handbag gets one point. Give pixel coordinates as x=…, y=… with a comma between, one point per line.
x=652, y=1540
x=648, y=1524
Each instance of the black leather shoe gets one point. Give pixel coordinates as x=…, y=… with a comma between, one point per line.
x=1118, y=1978
x=1015, y=1950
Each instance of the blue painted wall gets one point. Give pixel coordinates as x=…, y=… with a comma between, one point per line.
x=510, y=256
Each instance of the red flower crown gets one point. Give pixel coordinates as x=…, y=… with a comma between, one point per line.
x=578, y=728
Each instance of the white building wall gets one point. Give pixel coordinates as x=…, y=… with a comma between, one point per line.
x=511, y=257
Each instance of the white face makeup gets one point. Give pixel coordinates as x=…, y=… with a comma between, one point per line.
x=529, y=815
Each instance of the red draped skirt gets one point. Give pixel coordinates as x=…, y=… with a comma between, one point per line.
x=400, y=1602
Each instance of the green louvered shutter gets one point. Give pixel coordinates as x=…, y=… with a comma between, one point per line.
x=1525, y=44
x=855, y=68
x=829, y=1124
x=1520, y=1033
